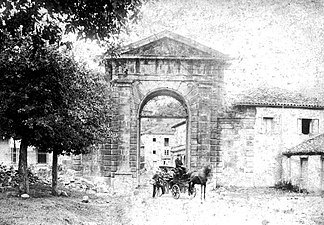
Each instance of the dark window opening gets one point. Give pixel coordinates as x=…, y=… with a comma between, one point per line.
x=154, y=151
x=41, y=157
x=154, y=139
x=166, y=141
x=137, y=66
x=306, y=126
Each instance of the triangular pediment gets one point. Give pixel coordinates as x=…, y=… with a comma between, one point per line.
x=168, y=44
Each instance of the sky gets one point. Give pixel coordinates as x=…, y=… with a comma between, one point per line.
x=271, y=43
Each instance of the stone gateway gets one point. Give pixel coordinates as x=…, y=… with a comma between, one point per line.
x=170, y=65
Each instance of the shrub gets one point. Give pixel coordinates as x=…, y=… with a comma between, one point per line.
x=288, y=186
x=9, y=177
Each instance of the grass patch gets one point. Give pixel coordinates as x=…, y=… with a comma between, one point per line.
x=288, y=186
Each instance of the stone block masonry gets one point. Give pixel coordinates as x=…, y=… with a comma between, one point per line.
x=234, y=145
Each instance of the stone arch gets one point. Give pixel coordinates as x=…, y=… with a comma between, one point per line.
x=164, y=91
x=181, y=99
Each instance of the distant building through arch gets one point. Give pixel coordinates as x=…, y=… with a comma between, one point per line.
x=183, y=113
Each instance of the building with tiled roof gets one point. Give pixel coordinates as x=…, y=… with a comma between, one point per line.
x=164, y=129
x=303, y=164
x=264, y=125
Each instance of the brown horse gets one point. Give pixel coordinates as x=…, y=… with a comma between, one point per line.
x=199, y=177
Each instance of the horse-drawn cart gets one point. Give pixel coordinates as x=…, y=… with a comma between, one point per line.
x=185, y=181
x=176, y=183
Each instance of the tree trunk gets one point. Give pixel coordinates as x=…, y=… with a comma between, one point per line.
x=23, y=167
x=54, y=173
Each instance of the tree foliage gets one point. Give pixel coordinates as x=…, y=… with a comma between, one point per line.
x=98, y=19
x=50, y=94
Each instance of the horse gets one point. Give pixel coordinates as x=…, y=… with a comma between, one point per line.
x=199, y=177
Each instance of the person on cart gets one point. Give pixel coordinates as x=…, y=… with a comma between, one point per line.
x=179, y=166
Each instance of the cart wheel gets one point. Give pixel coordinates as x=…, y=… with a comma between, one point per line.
x=175, y=191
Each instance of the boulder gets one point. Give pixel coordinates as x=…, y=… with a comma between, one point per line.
x=24, y=196
x=85, y=199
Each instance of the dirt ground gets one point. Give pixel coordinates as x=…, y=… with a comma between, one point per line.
x=222, y=206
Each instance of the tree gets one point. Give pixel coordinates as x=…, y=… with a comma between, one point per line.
x=51, y=103
x=97, y=19
x=47, y=100
x=82, y=119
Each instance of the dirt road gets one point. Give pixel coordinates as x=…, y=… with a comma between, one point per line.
x=260, y=206
x=230, y=206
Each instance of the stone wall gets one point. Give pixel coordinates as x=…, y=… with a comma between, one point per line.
x=236, y=144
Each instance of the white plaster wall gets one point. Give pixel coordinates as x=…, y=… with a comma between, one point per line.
x=5, y=156
x=268, y=147
x=314, y=176
x=152, y=161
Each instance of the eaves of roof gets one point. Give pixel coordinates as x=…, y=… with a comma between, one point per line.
x=311, y=146
x=179, y=124
x=280, y=105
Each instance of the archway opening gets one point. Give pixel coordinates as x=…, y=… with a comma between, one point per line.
x=163, y=132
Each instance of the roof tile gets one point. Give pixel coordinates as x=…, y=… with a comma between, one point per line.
x=312, y=146
x=274, y=96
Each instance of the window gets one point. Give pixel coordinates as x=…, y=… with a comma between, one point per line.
x=14, y=155
x=41, y=157
x=307, y=126
x=166, y=152
x=166, y=141
x=267, y=125
x=154, y=151
x=154, y=139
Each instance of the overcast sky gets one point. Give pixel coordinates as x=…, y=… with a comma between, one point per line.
x=275, y=43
